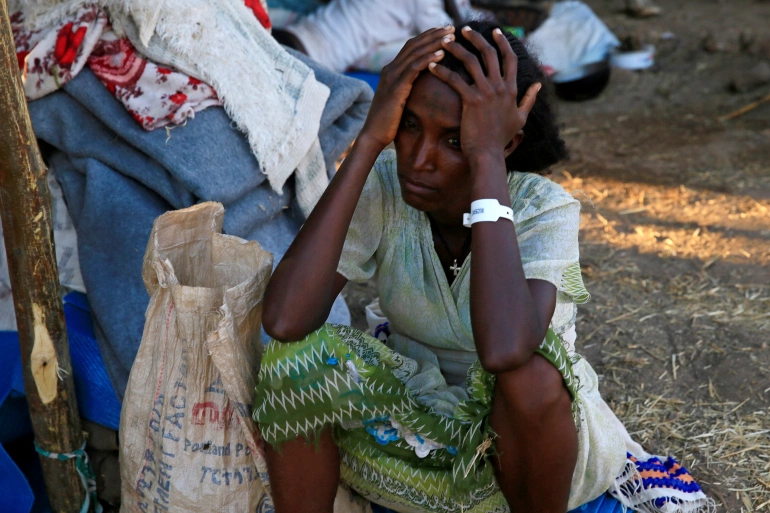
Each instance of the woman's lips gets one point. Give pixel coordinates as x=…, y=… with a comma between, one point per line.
x=416, y=186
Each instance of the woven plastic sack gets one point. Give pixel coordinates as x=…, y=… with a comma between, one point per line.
x=187, y=439
x=187, y=442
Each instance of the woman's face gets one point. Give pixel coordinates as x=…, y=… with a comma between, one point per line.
x=433, y=173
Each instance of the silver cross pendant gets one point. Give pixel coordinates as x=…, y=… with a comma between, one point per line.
x=455, y=268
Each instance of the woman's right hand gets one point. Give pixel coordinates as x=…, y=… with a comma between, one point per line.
x=396, y=82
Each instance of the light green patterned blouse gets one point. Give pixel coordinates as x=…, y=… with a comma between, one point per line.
x=429, y=320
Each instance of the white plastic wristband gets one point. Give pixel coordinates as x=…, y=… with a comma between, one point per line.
x=486, y=210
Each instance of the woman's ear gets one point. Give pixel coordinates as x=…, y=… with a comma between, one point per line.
x=513, y=143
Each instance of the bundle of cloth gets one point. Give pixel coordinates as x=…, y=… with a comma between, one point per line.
x=145, y=106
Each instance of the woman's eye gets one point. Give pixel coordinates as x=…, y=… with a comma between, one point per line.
x=454, y=142
x=408, y=123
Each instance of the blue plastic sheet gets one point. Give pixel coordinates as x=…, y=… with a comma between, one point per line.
x=97, y=402
x=16, y=496
x=370, y=78
x=97, y=399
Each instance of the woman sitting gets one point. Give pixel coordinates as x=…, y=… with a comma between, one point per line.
x=477, y=402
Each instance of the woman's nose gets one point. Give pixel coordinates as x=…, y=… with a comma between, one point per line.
x=424, y=155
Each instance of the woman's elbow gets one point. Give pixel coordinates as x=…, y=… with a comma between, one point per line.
x=499, y=364
x=513, y=355
x=281, y=327
x=291, y=321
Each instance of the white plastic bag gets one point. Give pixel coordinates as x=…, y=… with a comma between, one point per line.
x=572, y=36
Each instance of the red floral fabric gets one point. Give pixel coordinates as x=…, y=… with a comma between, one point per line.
x=154, y=95
x=50, y=58
x=259, y=11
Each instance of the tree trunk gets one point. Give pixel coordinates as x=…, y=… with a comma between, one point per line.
x=28, y=230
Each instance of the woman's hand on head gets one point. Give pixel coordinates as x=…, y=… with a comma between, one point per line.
x=396, y=81
x=491, y=115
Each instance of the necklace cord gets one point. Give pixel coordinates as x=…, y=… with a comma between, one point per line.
x=466, y=243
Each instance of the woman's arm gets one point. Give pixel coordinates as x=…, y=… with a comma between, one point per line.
x=509, y=314
x=303, y=287
x=305, y=283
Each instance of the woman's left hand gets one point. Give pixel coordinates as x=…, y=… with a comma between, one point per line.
x=491, y=117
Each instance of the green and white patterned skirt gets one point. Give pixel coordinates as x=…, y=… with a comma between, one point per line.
x=395, y=450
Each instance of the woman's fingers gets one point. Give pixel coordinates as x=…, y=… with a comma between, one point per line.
x=430, y=33
x=422, y=63
x=429, y=46
x=488, y=53
x=426, y=42
x=452, y=79
x=416, y=40
x=510, y=61
x=526, y=103
x=406, y=61
x=470, y=62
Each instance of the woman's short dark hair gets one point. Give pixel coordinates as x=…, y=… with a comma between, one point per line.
x=542, y=146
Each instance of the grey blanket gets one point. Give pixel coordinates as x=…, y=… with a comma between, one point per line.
x=117, y=178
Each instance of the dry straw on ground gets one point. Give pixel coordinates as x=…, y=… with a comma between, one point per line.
x=729, y=448
x=665, y=265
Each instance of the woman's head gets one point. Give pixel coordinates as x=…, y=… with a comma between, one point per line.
x=433, y=171
x=542, y=146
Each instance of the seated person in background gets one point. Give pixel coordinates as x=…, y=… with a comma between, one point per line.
x=360, y=34
x=477, y=402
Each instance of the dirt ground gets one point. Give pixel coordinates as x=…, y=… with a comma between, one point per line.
x=675, y=243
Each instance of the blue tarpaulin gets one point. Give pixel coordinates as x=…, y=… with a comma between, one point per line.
x=21, y=487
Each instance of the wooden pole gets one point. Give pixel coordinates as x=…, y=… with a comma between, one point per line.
x=25, y=206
